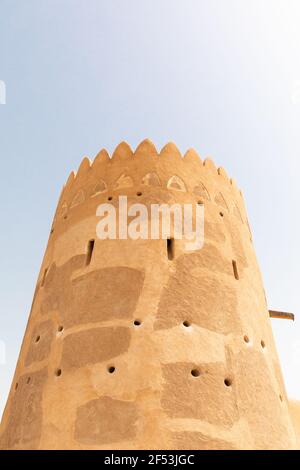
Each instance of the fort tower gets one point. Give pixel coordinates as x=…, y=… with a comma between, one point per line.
x=139, y=344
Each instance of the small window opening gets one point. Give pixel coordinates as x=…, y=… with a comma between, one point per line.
x=235, y=269
x=170, y=248
x=90, y=250
x=44, y=277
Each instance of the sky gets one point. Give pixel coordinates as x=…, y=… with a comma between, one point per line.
x=220, y=76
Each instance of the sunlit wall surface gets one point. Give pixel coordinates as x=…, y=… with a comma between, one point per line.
x=221, y=76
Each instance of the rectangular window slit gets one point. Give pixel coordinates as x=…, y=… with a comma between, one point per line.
x=44, y=277
x=235, y=269
x=90, y=250
x=170, y=248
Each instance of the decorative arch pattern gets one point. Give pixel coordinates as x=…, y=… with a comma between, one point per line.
x=176, y=183
x=99, y=188
x=78, y=199
x=200, y=190
x=151, y=179
x=124, y=181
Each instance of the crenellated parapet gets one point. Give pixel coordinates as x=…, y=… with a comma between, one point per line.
x=146, y=169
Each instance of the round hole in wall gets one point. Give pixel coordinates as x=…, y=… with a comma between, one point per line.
x=65, y=217
x=58, y=372
x=221, y=214
x=111, y=369
x=195, y=372
x=139, y=193
x=37, y=338
x=228, y=382
x=186, y=323
x=246, y=339
x=28, y=380
x=137, y=322
x=263, y=344
x=109, y=198
x=60, y=328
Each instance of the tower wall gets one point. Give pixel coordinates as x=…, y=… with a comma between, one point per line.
x=137, y=351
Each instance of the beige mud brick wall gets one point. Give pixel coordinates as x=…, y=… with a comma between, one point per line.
x=134, y=350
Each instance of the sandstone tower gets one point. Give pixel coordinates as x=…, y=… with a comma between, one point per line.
x=131, y=345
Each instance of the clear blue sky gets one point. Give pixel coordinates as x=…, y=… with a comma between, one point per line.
x=221, y=76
